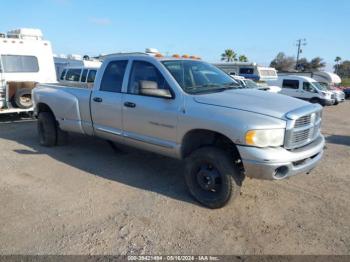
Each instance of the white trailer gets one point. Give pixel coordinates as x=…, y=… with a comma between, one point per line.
x=248, y=70
x=25, y=60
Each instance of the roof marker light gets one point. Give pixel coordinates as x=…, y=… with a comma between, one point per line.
x=185, y=56
x=176, y=56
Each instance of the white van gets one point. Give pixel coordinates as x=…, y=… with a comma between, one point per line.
x=305, y=88
x=330, y=80
x=25, y=60
x=78, y=76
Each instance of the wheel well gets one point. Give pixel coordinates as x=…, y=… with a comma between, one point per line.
x=200, y=137
x=41, y=107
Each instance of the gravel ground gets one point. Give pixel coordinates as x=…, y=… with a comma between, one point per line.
x=86, y=198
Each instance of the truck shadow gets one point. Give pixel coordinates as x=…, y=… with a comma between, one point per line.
x=338, y=139
x=139, y=169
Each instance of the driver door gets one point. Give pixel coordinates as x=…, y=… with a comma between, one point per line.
x=149, y=121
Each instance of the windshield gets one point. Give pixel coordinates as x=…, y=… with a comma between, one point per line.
x=196, y=77
x=250, y=83
x=320, y=86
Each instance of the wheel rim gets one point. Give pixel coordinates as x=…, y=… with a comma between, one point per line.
x=26, y=100
x=209, y=178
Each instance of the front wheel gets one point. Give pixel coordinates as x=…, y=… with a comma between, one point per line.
x=212, y=177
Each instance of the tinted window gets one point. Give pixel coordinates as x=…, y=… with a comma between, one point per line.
x=293, y=84
x=144, y=71
x=83, y=76
x=91, y=76
x=113, y=76
x=246, y=71
x=73, y=75
x=63, y=74
x=20, y=64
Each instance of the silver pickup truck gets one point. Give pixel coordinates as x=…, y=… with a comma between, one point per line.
x=191, y=110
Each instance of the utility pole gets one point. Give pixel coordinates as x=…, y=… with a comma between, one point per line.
x=300, y=43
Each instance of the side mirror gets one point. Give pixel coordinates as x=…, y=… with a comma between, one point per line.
x=150, y=88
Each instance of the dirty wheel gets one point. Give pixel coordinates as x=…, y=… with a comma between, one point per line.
x=212, y=177
x=23, y=98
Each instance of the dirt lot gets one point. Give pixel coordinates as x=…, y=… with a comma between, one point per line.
x=86, y=198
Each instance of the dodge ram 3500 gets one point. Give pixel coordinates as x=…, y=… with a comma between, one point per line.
x=190, y=110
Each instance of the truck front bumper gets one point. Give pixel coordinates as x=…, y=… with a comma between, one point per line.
x=279, y=163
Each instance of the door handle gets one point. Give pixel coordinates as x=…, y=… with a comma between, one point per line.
x=97, y=99
x=129, y=104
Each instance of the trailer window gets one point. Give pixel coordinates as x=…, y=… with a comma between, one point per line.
x=83, y=76
x=91, y=76
x=20, y=64
x=292, y=84
x=246, y=71
x=63, y=74
x=73, y=75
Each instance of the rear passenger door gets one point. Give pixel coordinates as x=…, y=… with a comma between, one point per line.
x=290, y=87
x=106, y=103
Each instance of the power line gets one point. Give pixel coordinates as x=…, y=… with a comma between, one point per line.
x=300, y=43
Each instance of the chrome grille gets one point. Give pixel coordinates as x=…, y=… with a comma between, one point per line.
x=303, y=129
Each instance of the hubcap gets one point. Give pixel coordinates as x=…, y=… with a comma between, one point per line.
x=208, y=178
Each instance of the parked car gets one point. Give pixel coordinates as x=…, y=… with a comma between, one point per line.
x=25, y=60
x=78, y=76
x=304, y=88
x=346, y=91
x=190, y=110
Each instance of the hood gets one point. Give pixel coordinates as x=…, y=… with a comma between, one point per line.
x=256, y=101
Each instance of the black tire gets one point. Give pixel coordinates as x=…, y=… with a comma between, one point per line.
x=336, y=103
x=47, y=130
x=23, y=98
x=315, y=100
x=212, y=177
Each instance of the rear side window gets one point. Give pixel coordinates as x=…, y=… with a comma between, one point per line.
x=20, y=64
x=63, y=74
x=83, y=76
x=113, y=76
x=73, y=75
x=292, y=84
x=91, y=76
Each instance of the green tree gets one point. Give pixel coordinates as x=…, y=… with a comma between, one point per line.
x=344, y=69
x=283, y=62
x=229, y=56
x=242, y=58
x=314, y=65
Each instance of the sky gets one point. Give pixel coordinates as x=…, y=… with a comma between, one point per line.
x=258, y=29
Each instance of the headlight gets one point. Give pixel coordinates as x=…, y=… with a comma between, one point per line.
x=265, y=138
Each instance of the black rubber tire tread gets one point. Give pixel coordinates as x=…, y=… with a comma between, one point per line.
x=17, y=97
x=230, y=175
x=47, y=129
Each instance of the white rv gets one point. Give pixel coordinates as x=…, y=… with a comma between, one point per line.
x=25, y=60
x=248, y=70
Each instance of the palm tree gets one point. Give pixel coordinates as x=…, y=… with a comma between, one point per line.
x=337, y=60
x=243, y=58
x=229, y=55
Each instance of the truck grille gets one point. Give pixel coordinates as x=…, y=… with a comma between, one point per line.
x=303, y=130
